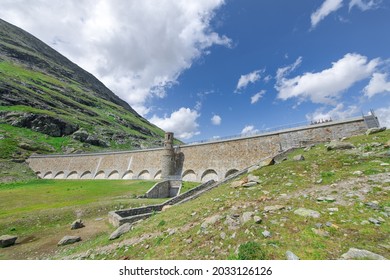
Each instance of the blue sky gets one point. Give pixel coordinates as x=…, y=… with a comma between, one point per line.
x=213, y=68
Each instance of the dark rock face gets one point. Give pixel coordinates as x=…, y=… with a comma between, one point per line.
x=7, y=240
x=44, y=124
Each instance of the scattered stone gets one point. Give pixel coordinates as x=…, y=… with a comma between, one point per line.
x=288, y=184
x=335, y=209
x=374, y=221
x=384, y=164
x=328, y=224
x=77, y=224
x=253, y=178
x=358, y=173
x=373, y=205
x=266, y=234
x=165, y=208
x=336, y=145
x=387, y=145
x=232, y=222
x=291, y=256
x=120, y=231
x=99, y=219
x=318, y=225
x=307, y=213
x=189, y=240
x=250, y=184
x=210, y=221
x=375, y=130
x=171, y=232
x=308, y=148
x=381, y=220
x=327, y=199
x=222, y=235
x=257, y=219
x=299, y=158
x=358, y=254
x=69, y=240
x=246, y=217
x=320, y=232
x=7, y=240
x=319, y=181
x=267, y=162
x=236, y=184
x=274, y=208
x=364, y=222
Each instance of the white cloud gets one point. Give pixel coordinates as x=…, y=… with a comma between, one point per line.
x=249, y=129
x=255, y=98
x=137, y=48
x=378, y=84
x=284, y=71
x=245, y=80
x=383, y=115
x=327, y=7
x=183, y=123
x=364, y=5
x=216, y=120
x=337, y=113
x=327, y=86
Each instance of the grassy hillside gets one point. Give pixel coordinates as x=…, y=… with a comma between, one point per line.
x=348, y=188
x=49, y=104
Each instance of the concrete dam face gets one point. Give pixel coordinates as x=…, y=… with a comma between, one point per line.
x=196, y=162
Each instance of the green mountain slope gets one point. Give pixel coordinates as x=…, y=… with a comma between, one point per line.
x=49, y=104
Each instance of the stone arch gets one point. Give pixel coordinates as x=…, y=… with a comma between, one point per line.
x=86, y=175
x=48, y=175
x=209, y=174
x=60, y=175
x=158, y=175
x=100, y=175
x=231, y=172
x=72, y=175
x=114, y=175
x=189, y=175
x=128, y=175
x=144, y=175
x=38, y=174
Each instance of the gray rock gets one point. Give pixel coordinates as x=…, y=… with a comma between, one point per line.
x=252, y=178
x=327, y=199
x=249, y=184
x=358, y=173
x=222, y=235
x=373, y=205
x=320, y=232
x=246, y=217
x=77, y=224
x=375, y=130
x=291, y=256
x=257, y=219
x=307, y=213
x=80, y=135
x=333, y=209
x=357, y=254
x=274, y=208
x=232, y=223
x=266, y=234
x=7, y=240
x=120, y=231
x=253, y=168
x=374, y=221
x=210, y=221
x=69, y=240
x=336, y=145
x=299, y=158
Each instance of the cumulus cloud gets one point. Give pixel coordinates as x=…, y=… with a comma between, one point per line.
x=249, y=129
x=327, y=86
x=216, y=120
x=284, y=71
x=137, y=48
x=337, y=113
x=383, y=115
x=364, y=5
x=327, y=7
x=255, y=98
x=378, y=84
x=245, y=80
x=183, y=123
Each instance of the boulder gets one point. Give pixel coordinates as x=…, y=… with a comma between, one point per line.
x=274, y=208
x=120, y=231
x=69, y=240
x=375, y=130
x=246, y=217
x=267, y=162
x=357, y=254
x=252, y=178
x=77, y=224
x=96, y=141
x=210, y=221
x=249, y=184
x=327, y=199
x=253, y=168
x=307, y=213
x=299, y=158
x=336, y=145
x=291, y=256
x=257, y=219
x=7, y=240
x=80, y=135
x=266, y=234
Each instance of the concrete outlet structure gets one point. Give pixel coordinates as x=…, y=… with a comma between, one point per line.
x=196, y=162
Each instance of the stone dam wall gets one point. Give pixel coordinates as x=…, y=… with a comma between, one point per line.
x=200, y=162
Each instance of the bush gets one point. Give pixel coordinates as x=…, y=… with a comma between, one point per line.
x=250, y=251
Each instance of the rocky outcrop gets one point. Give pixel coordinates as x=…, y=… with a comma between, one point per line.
x=7, y=240
x=358, y=254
